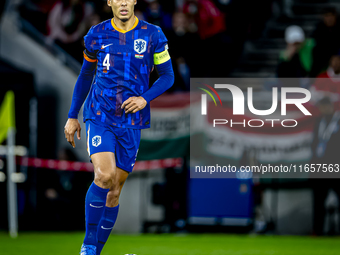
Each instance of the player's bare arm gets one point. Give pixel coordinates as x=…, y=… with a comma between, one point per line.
x=72, y=126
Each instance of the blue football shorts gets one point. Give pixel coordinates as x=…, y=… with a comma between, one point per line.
x=123, y=142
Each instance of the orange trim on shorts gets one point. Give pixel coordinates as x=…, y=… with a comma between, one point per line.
x=88, y=141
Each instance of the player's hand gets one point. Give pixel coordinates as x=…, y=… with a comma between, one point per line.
x=134, y=104
x=72, y=126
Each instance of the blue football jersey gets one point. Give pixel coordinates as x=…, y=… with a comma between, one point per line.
x=125, y=61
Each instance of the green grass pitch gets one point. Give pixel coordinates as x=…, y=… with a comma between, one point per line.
x=47, y=243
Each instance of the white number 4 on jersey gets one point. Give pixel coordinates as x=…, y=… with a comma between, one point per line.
x=107, y=61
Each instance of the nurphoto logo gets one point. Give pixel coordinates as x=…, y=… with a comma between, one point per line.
x=239, y=104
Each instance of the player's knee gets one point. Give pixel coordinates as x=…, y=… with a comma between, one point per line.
x=105, y=180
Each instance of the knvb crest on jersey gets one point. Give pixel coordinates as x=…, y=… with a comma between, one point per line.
x=140, y=46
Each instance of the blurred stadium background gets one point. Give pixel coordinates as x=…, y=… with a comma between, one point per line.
x=40, y=57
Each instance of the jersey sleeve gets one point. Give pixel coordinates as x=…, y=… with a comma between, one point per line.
x=161, y=54
x=90, y=46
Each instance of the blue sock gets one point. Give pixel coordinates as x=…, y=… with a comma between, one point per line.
x=94, y=207
x=105, y=226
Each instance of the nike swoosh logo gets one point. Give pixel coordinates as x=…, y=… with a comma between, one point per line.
x=106, y=228
x=96, y=206
x=104, y=46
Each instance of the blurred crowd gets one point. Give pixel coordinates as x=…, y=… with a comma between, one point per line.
x=206, y=37
x=317, y=56
x=201, y=33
